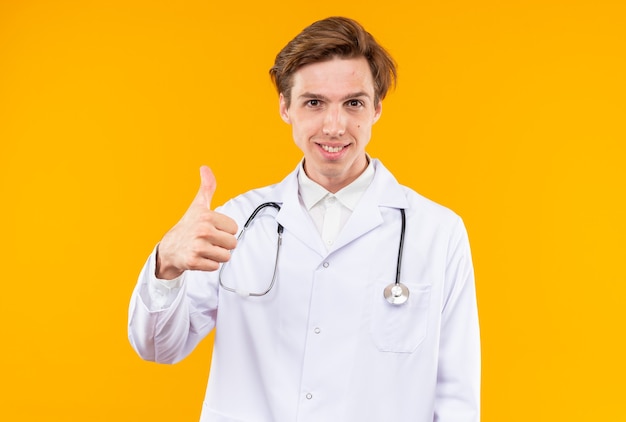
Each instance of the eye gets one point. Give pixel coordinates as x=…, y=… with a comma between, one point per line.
x=313, y=103
x=355, y=103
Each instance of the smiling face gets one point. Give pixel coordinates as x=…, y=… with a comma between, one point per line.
x=331, y=112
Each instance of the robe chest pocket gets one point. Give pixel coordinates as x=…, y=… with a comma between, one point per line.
x=400, y=328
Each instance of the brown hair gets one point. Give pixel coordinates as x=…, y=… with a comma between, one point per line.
x=329, y=38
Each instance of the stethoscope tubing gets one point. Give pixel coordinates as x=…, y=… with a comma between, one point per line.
x=401, y=246
x=280, y=230
x=396, y=293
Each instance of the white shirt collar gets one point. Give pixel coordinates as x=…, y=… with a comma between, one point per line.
x=312, y=192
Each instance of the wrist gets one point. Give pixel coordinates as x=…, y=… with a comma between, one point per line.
x=162, y=270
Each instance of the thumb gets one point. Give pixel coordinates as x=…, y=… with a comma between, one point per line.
x=207, y=187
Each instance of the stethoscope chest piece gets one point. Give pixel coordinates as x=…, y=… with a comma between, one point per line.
x=396, y=293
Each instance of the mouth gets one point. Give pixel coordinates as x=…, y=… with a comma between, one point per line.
x=332, y=149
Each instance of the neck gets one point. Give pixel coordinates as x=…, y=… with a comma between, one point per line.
x=334, y=181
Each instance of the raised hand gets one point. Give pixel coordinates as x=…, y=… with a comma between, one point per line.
x=201, y=240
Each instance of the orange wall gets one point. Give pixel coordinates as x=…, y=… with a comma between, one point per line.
x=512, y=113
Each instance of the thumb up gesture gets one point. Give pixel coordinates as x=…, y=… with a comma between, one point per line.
x=201, y=239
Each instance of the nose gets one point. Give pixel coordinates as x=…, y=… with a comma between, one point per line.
x=334, y=122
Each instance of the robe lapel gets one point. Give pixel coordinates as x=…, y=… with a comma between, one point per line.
x=292, y=215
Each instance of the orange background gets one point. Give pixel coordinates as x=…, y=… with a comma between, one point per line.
x=512, y=113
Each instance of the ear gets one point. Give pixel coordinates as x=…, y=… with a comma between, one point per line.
x=284, y=110
x=378, y=111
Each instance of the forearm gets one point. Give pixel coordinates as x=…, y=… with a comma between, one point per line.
x=163, y=322
x=459, y=370
x=459, y=364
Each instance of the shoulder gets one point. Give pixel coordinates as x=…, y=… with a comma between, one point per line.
x=427, y=208
x=240, y=207
x=415, y=204
x=432, y=216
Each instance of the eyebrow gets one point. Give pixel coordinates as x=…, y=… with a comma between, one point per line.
x=349, y=96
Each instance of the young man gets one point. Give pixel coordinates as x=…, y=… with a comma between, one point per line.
x=350, y=297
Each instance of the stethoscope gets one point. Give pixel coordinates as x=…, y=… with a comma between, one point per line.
x=396, y=293
x=243, y=231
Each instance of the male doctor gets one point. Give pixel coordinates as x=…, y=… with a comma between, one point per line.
x=350, y=298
